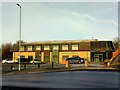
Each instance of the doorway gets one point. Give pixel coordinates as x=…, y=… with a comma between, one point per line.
x=98, y=57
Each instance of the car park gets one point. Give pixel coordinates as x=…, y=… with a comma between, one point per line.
x=34, y=61
x=76, y=59
x=8, y=60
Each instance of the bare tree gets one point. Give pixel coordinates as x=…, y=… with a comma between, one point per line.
x=7, y=50
x=116, y=43
x=17, y=42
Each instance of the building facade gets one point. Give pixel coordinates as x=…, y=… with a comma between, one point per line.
x=57, y=51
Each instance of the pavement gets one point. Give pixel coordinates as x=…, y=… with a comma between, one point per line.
x=61, y=68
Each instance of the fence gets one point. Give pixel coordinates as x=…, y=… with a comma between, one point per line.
x=14, y=67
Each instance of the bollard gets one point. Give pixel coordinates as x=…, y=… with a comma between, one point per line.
x=67, y=64
x=38, y=65
x=25, y=66
x=86, y=63
x=11, y=67
x=108, y=64
x=52, y=64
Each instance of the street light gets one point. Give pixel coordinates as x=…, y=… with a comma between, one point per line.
x=19, y=34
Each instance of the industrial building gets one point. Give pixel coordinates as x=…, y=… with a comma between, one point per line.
x=58, y=50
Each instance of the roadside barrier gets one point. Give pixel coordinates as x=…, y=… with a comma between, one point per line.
x=108, y=64
x=24, y=66
x=38, y=65
x=86, y=63
x=52, y=64
x=67, y=64
x=11, y=67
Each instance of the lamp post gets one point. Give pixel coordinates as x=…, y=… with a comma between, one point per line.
x=19, y=33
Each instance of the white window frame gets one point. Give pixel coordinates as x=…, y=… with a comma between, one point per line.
x=64, y=47
x=55, y=47
x=22, y=48
x=29, y=48
x=46, y=47
x=37, y=47
x=75, y=47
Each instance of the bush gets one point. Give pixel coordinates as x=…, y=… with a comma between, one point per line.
x=106, y=61
x=116, y=64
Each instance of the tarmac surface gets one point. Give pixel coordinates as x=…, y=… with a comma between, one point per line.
x=68, y=79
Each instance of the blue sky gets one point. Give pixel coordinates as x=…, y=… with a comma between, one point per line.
x=42, y=21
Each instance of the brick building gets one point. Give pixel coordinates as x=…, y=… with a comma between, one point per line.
x=57, y=51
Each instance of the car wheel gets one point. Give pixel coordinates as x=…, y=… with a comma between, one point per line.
x=79, y=62
x=5, y=62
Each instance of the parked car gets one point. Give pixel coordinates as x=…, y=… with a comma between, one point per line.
x=75, y=59
x=24, y=60
x=8, y=60
x=35, y=61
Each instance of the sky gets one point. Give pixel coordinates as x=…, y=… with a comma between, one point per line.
x=43, y=21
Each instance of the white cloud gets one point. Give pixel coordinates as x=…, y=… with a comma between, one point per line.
x=87, y=16
x=44, y=22
x=108, y=21
x=90, y=26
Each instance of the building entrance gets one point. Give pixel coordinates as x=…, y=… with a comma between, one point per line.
x=98, y=57
x=47, y=56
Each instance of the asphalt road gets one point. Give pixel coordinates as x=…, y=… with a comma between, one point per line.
x=69, y=79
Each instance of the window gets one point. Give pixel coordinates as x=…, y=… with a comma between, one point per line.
x=22, y=48
x=55, y=47
x=30, y=57
x=46, y=47
x=37, y=56
x=64, y=47
x=74, y=47
x=38, y=47
x=29, y=48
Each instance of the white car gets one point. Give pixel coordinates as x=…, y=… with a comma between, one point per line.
x=9, y=61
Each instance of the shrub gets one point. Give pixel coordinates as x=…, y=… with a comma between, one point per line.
x=106, y=61
x=116, y=64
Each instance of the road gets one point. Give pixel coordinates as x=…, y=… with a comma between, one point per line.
x=69, y=79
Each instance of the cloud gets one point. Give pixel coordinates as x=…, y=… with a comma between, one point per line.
x=108, y=21
x=89, y=26
x=87, y=16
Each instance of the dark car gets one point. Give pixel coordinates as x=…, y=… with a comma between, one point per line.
x=24, y=60
x=75, y=59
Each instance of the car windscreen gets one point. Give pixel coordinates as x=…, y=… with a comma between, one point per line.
x=36, y=60
x=8, y=60
x=24, y=60
x=70, y=59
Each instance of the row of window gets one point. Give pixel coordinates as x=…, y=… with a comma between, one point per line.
x=38, y=57
x=47, y=47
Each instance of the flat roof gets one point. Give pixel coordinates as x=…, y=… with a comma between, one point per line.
x=58, y=41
